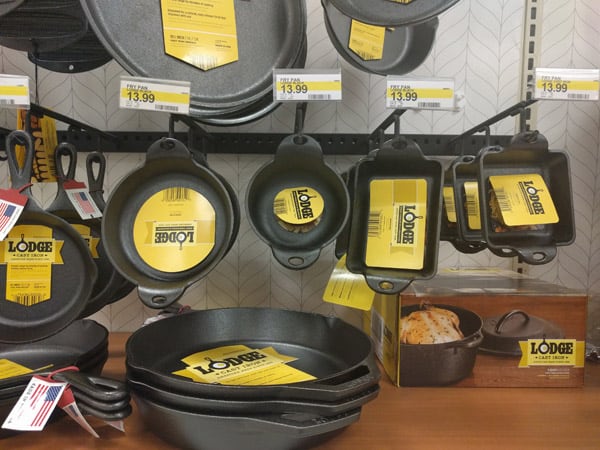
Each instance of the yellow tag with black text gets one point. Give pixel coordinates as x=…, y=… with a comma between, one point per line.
x=348, y=289
x=366, y=40
x=9, y=369
x=523, y=199
x=298, y=205
x=397, y=219
x=552, y=352
x=471, y=195
x=449, y=205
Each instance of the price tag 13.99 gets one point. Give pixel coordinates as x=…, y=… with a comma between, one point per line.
x=155, y=95
x=299, y=85
x=567, y=84
x=406, y=93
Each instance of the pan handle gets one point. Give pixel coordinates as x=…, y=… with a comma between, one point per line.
x=167, y=148
x=68, y=150
x=159, y=298
x=299, y=144
x=386, y=285
x=20, y=176
x=296, y=260
x=95, y=180
x=537, y=255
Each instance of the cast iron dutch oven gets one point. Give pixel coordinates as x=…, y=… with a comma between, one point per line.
x=72, y=277
x=501, y=335
x=445, y=363
x=167, y=223
x=298, y=165
x=337, y=354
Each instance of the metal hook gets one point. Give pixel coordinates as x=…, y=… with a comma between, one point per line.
x=300, y=116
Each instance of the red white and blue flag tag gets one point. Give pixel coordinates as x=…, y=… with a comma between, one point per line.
x=12, y=203
x=81, y=200
x=35, y=406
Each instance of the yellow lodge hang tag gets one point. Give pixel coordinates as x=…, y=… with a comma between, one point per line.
x=298, y=205
x=348, y=289
x=201, y=33
x=449, y=205
x=523, y=199
x=471, y=194
x=397, y=219
x=366, y=40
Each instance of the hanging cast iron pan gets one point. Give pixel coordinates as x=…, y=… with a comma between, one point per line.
x=298, y=162
x=250, y=407
x=528, y=153
x=341, y=243
x=107, y=281
x=72, y=281
x=405, y=48
x=169, y=164
x=83, y=55
x=388, y=13
x=502, y=334
x=95, y=164
x=339, y=355
x=7, y=6
x=396, y=159
x=43, y=25
x=180, y=428
x=282, y=27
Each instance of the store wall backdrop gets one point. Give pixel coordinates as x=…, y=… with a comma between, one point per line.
x=479, y=44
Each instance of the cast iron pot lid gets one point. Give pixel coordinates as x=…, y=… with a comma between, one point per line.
x=501, y=335
x=388, y=13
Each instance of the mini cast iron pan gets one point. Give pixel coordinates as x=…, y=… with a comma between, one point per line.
x=298, y=162
x=387, y=13
x=72, y=281
x=169, y=165
x=528, y=153
x=405, y=48
x=108, y=280
x=338, y=354
x=397, y=159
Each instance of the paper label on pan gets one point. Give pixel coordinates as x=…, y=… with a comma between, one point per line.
x=155, y=95
x=411, y=93
x=552, y=352
x=348, y=289
x=45, y=140
x=174, y=230
x=471, y=195
x=91, y=241
x=29, y=252
x=79, y=196
x=14, y=91
x=449, y=205
x=397, y=221
x=241, y=365
x=298, y=205
x=366, y=40
x=35, y=405
x=9, y=369
x=523, y=199
x=567, y=84
x=307, y=85
x=200, y=33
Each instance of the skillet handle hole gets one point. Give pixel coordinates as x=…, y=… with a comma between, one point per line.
x=300, y=140
x=296, y=261
x=159, y=300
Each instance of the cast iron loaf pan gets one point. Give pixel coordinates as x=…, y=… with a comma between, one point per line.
x=397, y=159
x=528, y=153
x=338, y=354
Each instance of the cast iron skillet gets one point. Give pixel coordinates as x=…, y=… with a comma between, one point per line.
x=298, y=162
x=387, y=13
x=339, y=355
x=72, y=281
x=169, y=164
x=108, y=280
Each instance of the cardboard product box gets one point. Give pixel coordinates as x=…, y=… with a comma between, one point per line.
x=540, y=342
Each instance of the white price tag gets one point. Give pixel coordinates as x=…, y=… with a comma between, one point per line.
x=567, y=84
x=414, y=93
x=155, y=95
x=14, y=91
x=307, y=85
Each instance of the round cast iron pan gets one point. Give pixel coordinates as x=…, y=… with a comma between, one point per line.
x=168, y=164
x=108, y=280
x=184, y=429
x=298, y=162
x=339, y=355
x=72, y=281
x=387, y=13
x=43, y=25
x=282, y=27
x=405, y=48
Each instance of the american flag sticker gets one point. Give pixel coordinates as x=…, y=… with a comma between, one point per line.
x=35, y=406
x=9, y=214
x=83, y=203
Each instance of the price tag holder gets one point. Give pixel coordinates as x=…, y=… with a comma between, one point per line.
x=307, y=85
x=155, y=95
x=567, y=84
x=416, y=93
x=14, y=91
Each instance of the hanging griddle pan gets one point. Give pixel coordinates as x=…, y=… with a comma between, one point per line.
x=298, y=162
x=405, y=48
x=282, y=27
x=388, y=13
x=171, y=179
x=108, y=280
x=72, y=280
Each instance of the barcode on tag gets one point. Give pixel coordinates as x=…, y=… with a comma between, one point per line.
x=28, y=299
x=166, y=108
x=176, y=194
x=206, y=62
x=319, y=97
x=280, y=206
x=578, y=96
x=429, y=104
x=502, y=199
x=7, y=102
x=374, y=224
